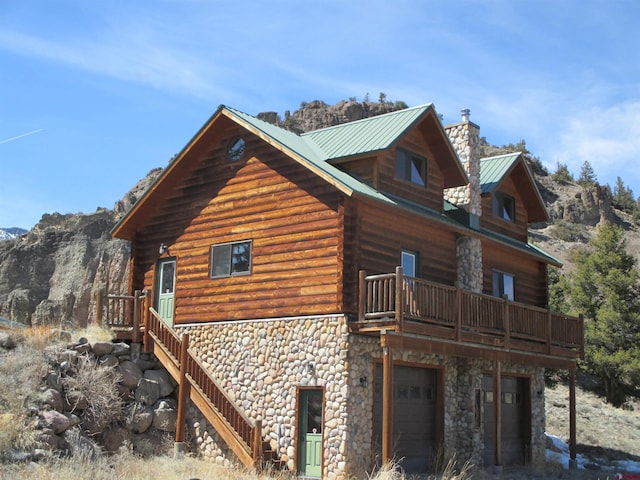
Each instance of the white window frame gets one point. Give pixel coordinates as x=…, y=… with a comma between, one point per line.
x=412, y=258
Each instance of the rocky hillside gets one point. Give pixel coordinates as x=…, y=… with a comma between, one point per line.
x=51, y=274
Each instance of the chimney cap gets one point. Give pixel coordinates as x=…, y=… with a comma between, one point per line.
x=466, y=113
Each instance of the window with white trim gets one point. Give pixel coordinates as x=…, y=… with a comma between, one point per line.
x=229, y=259
x=504, y=284
x=409, y=263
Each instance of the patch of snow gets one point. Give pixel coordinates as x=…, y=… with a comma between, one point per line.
x=624, y=469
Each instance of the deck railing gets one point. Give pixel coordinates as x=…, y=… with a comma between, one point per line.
x=407, y=304
x=122, y=313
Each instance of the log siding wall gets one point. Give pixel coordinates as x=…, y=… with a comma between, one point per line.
x=517, y=230
x=292, y=218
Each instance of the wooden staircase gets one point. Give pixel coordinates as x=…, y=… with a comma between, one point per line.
x=131, y=319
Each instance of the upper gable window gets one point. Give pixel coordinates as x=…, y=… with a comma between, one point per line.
x=229, y=259
x=504, y=206
x=235, y=149
x=411, y=167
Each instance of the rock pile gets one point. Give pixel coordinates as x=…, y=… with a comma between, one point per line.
x=100, y=397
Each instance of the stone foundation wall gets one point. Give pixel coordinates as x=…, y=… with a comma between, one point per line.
x=261, y=363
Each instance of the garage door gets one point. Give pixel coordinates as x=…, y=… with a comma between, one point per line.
x=414, y=414
x=515, y=431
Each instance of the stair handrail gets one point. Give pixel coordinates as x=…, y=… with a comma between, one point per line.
x=246, y=430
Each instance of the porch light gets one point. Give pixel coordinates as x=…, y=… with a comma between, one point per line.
x=163, y=249
x=364, y=382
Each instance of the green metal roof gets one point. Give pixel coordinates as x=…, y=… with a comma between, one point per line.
x=366, y=135
x=313, y=149
x=494, y=169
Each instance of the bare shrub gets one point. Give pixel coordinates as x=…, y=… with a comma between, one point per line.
x=98, y=384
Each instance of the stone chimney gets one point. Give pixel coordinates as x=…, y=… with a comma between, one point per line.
x=465, y=138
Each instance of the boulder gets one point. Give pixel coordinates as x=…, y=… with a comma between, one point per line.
x=165, y=413
x=120, y=349
x=108, y=361
x=164, y=380
x=102, y=348
x=140, y=418
x=53, y=398
x=56, y=421
x=131, y=374
x=147, y=391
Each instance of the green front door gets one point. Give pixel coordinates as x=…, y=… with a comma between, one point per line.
x=166, y=275
x=310, y=432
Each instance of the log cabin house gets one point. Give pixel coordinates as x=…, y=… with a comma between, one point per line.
x=336, y=299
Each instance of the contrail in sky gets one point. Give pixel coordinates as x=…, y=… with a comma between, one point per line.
x=20, y=136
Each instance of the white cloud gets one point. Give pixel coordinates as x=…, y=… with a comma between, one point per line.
x=607, y=137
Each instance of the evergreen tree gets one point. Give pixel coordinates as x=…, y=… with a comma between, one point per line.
x=623, y=197
x=604, y=286
x=587, y=176
x=562, y=173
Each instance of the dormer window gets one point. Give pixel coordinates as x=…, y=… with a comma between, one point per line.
x=504, y=206
x=411, y=167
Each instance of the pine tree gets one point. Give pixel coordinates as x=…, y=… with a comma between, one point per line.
x=587, y=176
x=604, y=286
x=623, y=197
x=562, y=173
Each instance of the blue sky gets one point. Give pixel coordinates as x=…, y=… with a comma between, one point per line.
x=95, y=94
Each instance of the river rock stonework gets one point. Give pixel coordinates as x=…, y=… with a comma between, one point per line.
x=261, y=364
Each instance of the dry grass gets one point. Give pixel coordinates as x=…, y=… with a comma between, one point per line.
x=601, y=429
x=128, y=467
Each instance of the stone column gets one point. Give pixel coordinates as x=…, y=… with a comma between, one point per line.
x=465, y=138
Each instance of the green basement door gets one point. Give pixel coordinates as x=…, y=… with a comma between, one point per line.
x=165, y=296
x=310, y=422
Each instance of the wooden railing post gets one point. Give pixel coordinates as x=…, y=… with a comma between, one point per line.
x=399, y=298
x=257, y=445
x=581, y=320
x=136, y=316
x=362, y=294
x=183, y=390
x=549, y=331
x=507, y=324
x=458, y=326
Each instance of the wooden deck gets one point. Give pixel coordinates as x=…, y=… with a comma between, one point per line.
x=401, y=304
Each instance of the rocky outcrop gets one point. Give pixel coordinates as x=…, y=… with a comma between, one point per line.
x=317, y=114
x=582, y=205
x=97, y=397
x=51, y=274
